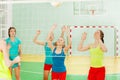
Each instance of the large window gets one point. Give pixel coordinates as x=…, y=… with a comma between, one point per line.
x=5, y=18
x=88, y=7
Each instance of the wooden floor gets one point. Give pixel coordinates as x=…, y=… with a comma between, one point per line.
x=79, y=64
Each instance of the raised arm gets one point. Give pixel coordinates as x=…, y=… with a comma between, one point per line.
x=51, y=31
x=35, y=40
x=80, y=46
x=69, y=40
x=51, y=46
x=63, y=31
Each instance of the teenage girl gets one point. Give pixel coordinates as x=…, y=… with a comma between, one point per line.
x=97, y=49
x=15, y=50
x=58, y=56
x=48, y=53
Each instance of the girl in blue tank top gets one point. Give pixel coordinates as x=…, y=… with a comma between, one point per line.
x=58, y=61
x=48, y=52
x=58, y=57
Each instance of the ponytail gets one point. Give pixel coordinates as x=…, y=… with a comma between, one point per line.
x=102, y=35
x=102, y=40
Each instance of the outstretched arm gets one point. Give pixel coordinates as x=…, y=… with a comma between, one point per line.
x=63, y=31
x=49, y=34
x=51, y=46
x=35, y=40
x=69, y=40
x=51, y=31
x=81, y=47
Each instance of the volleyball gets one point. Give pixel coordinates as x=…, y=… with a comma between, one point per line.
x=56, y=4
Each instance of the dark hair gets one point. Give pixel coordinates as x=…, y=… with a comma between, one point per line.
x=102, y=36
x=10, y=29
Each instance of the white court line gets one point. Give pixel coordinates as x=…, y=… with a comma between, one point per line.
x=69, y=74
x=31, y=72
x=112, y=75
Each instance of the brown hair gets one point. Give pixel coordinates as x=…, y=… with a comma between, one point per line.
x=102, y=36
x=10, y=29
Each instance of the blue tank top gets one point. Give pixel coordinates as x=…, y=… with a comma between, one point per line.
x=48, y=54
x=58, y=61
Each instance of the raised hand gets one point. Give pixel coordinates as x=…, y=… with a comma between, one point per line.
x=84, y=35
x=64, y=28
x=38, y=32
x=54, y=26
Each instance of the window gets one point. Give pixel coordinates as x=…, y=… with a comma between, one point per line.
x=88, y=7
